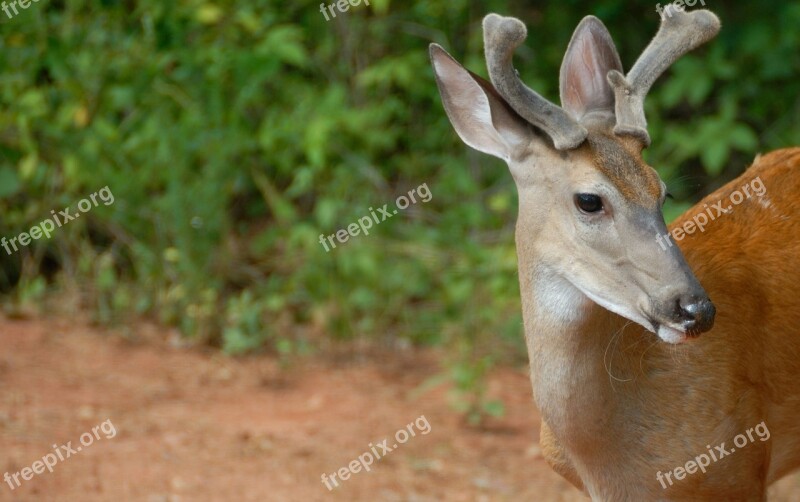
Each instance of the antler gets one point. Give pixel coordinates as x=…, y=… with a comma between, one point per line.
x=680, y=32
x=502, y=35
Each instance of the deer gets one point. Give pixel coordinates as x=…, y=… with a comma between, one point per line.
x=645, y=360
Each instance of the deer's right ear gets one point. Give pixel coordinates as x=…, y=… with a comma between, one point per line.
x=479, y=115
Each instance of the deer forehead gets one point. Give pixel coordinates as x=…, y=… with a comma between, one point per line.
x=619, y=160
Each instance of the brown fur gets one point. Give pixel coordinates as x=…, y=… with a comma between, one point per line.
x=637, y=181
x=744, y=371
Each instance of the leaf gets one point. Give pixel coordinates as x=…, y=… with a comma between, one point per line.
x=494, y=408
x=27, y=167
x=714, y=156
x=281, y=207
x=284, y=43
x=209, y=14
x=743, y=138
x=700, y=90
x=9, y=182
x=380, y=6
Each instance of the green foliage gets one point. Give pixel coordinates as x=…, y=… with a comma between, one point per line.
x=244, y=330
x=234, y=133
x=469, y=394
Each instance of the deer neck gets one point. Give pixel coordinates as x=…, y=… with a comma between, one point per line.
x=568, y=338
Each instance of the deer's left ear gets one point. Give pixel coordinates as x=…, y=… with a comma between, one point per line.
x=590, y=56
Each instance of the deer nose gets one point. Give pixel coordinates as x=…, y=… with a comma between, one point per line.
x=695, y=313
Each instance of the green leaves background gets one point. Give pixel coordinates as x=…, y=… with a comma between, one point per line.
x=233, y=133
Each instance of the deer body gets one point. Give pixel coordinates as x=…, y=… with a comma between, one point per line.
x=634, y=372
x=618, y=407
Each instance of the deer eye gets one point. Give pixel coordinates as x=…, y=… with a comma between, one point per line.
x=588, y=202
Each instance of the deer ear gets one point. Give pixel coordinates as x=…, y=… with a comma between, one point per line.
x=482, y=119
x=590, y=56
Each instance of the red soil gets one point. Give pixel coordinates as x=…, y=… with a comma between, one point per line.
x=193, y=425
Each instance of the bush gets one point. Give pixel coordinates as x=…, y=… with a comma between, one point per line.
x=233, y=134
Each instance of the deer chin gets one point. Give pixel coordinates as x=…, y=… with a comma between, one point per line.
x=671, y=335
x=631, y=314
x=567, y=301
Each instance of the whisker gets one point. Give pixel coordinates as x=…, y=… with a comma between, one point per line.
x=606, y=363
x=641, y=359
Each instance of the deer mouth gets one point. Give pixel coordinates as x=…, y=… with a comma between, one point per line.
x=672, y=335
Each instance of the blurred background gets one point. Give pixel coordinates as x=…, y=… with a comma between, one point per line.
x=232, y=134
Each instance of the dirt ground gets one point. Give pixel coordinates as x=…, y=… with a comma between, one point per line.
x=192, y=425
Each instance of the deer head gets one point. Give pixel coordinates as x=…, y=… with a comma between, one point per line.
x=589, y=206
